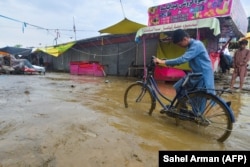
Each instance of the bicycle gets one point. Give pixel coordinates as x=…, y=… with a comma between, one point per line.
x=207, y=110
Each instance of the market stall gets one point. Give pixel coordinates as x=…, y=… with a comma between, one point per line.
x=206, y=20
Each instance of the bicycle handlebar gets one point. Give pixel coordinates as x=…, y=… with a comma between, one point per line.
x=152, y=63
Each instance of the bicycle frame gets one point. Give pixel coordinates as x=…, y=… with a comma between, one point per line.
x=153, y=87
x=192, y=102
x=149, y=81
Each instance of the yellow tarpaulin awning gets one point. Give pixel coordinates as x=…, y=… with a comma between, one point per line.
x=56, y=50
x=125, y=26
x=247, y=37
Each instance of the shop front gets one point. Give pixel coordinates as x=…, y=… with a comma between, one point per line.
x=206, y=20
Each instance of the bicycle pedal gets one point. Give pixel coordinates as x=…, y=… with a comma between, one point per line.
x=165, y=110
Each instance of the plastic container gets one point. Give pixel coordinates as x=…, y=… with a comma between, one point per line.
x=86, y=68
x=168, y=73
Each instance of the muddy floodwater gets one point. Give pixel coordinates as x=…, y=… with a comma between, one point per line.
x=67, y=120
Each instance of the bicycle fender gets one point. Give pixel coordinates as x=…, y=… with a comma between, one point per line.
x=139, y=82
x=149, y=88
x=229, y=109
x=231, y=113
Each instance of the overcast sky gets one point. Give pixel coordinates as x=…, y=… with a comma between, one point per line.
x=89, y=16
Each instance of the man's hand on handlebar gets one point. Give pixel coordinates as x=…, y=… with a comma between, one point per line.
x=158, y=61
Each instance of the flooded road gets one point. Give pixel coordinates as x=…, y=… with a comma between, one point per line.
x=67, y=120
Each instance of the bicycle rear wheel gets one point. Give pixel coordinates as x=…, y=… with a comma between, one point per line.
x=139, y=98
x=209, y=113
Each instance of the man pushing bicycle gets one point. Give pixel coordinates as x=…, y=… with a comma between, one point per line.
x=198, y=58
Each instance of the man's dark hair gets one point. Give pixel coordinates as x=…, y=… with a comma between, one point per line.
x=243, y=42
x=178, y=35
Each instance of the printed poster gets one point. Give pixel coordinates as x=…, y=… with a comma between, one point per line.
x=185, y=10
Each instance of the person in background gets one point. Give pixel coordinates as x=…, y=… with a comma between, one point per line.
x=240, y=63
x=225, y=59
x=34, y=60
x=41, y=62
x=197, y=56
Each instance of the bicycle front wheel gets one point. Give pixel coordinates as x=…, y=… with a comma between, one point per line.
x=139, y=98
x=209, y=113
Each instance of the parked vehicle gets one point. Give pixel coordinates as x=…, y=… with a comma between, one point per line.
x=10, y=64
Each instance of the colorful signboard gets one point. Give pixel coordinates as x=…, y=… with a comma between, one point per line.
x=185, y=10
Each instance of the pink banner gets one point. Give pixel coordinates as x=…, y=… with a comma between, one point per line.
x=184, y=10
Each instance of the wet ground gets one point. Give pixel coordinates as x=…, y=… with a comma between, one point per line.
x=66, y=120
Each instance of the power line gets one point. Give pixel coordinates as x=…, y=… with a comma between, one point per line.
x=25, y=24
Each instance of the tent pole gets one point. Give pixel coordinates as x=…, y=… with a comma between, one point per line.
x=118, y=61
x=198, y=34
x=136, y=54
x=144, y=58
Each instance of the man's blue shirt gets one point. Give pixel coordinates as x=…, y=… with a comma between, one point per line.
x=199, y=62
